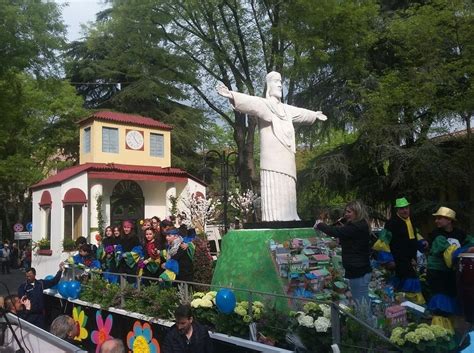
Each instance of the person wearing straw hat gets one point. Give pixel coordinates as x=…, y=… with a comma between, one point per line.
x=446, y=241
x=403, y=242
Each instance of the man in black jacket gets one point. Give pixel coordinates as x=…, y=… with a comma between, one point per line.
x=187, y=335
x=32, y=289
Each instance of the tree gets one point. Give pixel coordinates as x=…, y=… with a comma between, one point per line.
x=416, y=81
x=121, y=65
x=38, y=110
x=235, y=42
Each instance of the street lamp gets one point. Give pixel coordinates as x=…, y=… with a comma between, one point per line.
x=223, y=158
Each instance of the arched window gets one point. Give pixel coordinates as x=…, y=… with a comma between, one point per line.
x=45, y=206
x=73, y=202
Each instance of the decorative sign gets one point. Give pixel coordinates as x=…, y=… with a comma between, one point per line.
x=18, y=227
x=29, y=227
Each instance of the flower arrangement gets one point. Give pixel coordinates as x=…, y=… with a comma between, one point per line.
x=236, y=323
x=69, y=245
x=204, y=307
x=200, y=211
x=43, y=244
x=423, y=337
x=313, y=326
x=243, y=203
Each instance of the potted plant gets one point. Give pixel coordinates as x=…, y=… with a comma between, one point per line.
x=69, y=245
x=43, y=247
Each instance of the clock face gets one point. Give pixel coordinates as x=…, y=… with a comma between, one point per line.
x=134, y=140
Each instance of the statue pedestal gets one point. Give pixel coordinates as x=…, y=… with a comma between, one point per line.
x=246, y=261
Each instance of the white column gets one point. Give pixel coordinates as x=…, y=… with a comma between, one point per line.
x=170, y=191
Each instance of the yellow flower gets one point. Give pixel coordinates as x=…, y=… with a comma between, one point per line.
x=206, y=303
x=196, y=303
x=81, y=319
x=240, y=311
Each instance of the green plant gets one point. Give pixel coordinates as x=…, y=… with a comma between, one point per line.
x=313, y=326
x=100, y=216
x=69, y=244
x=203, y=261
x=272, y=327
x=43, y=244
x=423, y=338
x=101, y=292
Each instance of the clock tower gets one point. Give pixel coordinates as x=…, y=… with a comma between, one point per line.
x=110, y=137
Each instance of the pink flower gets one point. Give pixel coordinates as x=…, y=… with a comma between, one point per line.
x=102, y=333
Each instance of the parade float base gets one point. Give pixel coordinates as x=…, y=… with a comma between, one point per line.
x=246, y=261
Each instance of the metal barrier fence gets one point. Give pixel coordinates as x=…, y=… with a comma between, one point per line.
x=72, y=272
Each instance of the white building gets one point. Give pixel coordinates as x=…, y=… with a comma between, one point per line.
x=124, y=172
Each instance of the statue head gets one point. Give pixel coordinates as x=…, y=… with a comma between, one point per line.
x=274, y=88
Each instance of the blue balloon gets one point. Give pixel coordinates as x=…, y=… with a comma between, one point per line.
x=74, y=289
x=63, y=288
x=49, y=278
x=225, y=301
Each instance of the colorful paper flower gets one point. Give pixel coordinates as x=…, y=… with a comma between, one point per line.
x=109, y=249
x=140, y=339
x=80, y=318
x=102, y=333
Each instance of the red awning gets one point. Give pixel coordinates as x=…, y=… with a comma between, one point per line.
x=74, y=196
x=45, y=199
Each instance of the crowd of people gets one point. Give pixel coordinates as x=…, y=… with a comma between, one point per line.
x=12, y=257
x=158, y=250
x=398, y=249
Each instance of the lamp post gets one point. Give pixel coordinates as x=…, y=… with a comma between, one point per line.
x=223, y=158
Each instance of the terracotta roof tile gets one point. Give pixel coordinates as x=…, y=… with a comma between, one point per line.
x=130, y=170
x=129, y=119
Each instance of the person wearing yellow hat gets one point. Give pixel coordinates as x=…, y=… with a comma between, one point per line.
x=402, y=240
x=446, y=240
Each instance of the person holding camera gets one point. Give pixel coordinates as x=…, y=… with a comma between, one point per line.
x=32, y=289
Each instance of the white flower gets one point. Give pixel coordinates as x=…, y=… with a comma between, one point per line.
x=305, y=320
x=321, y=324
x=326, y=309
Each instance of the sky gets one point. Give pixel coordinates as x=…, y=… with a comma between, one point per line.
x=77, y=12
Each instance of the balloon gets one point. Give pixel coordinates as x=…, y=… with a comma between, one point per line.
x=50, y=277
x=225, y=301
x=63, y=288
x=74, y=289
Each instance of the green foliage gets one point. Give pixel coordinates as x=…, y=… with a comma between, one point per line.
x=101, y=292
x=152, y=300
x=314, y=196
x=43, y=244
x=39, y=110
x=202, y=262
x=100, y=216
x=69, y=244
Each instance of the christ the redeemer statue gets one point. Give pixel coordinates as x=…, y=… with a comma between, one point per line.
x=277, y=145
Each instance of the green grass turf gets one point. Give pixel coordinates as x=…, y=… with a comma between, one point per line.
x=246, y=261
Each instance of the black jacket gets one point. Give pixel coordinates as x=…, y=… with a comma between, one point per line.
x=354, y=238
x=34, y=292
x=200, y=341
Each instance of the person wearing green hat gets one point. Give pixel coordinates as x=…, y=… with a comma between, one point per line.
x=403, y=240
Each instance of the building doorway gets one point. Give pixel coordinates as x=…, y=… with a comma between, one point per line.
x=127, y=202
